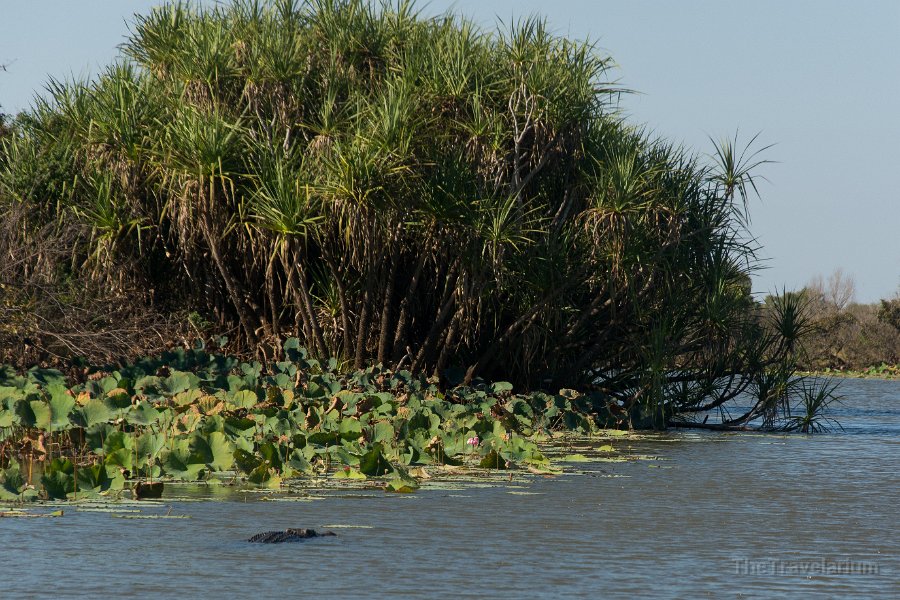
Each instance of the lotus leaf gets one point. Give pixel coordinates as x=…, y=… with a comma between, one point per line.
x=271, y=454
x=187, y=397
x=243, y=399
x=264, y=476
x=93, y=413
x=178, y=381
x=384, y=432
x=58, y=478
x=179, y=462
x=246, y=461
x=349, y=473
x=46, y=376
x=142, y=414
x=13, y=486
x=492, y=460
x=96, y=478
x=212, y=449
x=374, y=463
x=239, y=426
x=147, y=447
x=350, y=428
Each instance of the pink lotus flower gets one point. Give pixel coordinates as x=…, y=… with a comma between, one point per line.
x=473, y=441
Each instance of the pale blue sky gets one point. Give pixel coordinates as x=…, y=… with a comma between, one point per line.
x=818, y=78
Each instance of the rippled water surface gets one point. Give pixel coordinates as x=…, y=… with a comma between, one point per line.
x=718, y=515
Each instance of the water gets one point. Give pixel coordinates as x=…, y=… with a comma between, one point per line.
x=720, y=515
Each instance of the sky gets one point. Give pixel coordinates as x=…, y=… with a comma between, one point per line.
x=819, y=79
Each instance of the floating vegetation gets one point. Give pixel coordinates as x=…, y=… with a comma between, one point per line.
x=22, y=514
x=152, y=516
x=144, y=429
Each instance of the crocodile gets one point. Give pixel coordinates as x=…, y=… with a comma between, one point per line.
x=290, y=535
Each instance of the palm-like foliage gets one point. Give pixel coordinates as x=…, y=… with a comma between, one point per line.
x=416, y=191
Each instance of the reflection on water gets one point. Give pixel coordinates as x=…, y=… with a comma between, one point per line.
x=722, y=515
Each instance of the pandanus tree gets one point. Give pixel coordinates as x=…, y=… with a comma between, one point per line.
x=410, y=190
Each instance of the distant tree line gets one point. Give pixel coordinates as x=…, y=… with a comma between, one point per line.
x=844, y=334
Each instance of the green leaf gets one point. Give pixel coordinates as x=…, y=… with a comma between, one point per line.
x=350, y=428
x=298, y=462
x=222, y=451
x=179, y=462
x=348, y=473
x=575, y=458
x=94, y=412
x=243, y=399
x=95, y=478
x=178, y=382
x=143, y=414
x=374, y=463
x=122, y=457
x=265, y=477
x=42, y=414
x=501, y=386
x=13, y=487
x=401, y=486
x=492, y=460
x=384, y=432
x=58, y=478
x=246, y=461
x=212, y=449
x=147, y=447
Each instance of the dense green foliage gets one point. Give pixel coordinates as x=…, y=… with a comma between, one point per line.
x=191, y=415
x=391, y=189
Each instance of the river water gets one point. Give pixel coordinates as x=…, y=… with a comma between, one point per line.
x=716, y=515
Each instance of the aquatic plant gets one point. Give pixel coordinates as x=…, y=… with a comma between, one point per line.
x=190, y=415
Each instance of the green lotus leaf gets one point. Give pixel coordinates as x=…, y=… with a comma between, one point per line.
x=8, y=416
x=401, y=486
x=58, y=478
x=118, y=403
x=143, y=414
x=298, y=462
x=374, y=463
x=343, y=456
x=350, y=428
x=122, y=457
x=384, y=432
x=179, y=462
x=243, y=399
x=187, y=397
x=492, y=460
x=95, y=478
x=178, y=381
x=46, y=376
x=222, y=451
x=322, y=438
x=42, y=414
x=271, y=454
x=93, y=413
x=264, y=476
x=240, y=426
x=499, y=387
x=349, y=473
x=117, y=440
x=246, y=461
x=147, y=382
x=147, y=447
x=13, y=487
